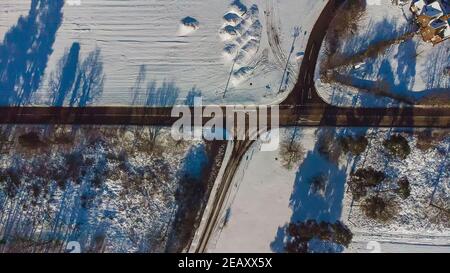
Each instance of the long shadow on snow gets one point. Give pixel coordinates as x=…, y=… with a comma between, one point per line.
x=25, y=51
x=77, y=82
x=307, y=205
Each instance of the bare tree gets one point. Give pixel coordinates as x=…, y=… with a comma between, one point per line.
x=439, y=209
x=164, y=96
x=291, y=151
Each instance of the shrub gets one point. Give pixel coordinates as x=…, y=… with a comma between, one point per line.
x=319, y=184
x=379, y=208
x=12, y=179
x=342, y=234
x=36, y=190
x=64, y=139
x=354, y=145
x=98, y=180
x=428, y=139
x=74, y=162
x=363, y=179
x=302, y=232
x=398, y=146
x=31, y=141
x=404, y=188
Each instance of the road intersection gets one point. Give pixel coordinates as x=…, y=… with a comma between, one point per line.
x=303, y=107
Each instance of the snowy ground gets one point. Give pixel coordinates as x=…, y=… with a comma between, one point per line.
x=267, y=196
x=429, y=174
x=185, y=47
x=102, y=187
x=411, y=69
x=258, y=204
x=390, y=245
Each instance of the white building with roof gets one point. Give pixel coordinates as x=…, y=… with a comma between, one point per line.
x=433, y=19
x=418, y=6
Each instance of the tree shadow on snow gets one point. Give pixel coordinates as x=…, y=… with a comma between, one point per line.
x=402, y=82
x=25, y=51
x=305, y=203
x=165, y=95
x=77, y=83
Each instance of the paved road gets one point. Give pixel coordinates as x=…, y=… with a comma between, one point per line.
x=212, y=219
x=303, y=107
x=305, y=91
x=304, y=115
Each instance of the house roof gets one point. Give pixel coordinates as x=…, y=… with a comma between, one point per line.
x=438, y=23
x=434, y=9
x=419, y=5
x=446, y=32
x=433, y=19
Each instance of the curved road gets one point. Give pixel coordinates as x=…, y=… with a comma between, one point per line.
x=303, y=107
x=297, y=97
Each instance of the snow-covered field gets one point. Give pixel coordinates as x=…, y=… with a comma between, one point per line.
x=267, y=196
x=410, y=69
x=259, y=203
x=185, y=47
x=385, y=243
x=107, y=188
